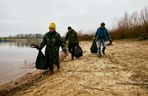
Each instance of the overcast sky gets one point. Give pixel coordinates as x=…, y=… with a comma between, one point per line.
x=34, y=16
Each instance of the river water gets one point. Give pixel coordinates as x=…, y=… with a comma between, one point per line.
x=16, y=59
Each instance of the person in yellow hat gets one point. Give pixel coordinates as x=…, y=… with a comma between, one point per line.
x=52, y=27
x=53, y=42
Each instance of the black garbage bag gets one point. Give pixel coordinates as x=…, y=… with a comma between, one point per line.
x=78, y=52
x=93, y=47
x=110, y=43
x=41, y=61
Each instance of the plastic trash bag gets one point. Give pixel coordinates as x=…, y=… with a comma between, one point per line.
x=93, y=47
x=78, y=52
x=41, y=61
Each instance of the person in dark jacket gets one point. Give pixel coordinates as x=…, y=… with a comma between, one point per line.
x=72, y=38
x=101, y=35
x=52, y=40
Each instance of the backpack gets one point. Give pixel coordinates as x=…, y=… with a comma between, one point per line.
x=78, y=52
x=93, y=47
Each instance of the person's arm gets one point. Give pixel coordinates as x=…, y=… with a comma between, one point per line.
x=43, y=43
x=109, y=38
x=60, y=43
x=66, y=37
x=96, y=35
x=76, y=36
x=108, y=35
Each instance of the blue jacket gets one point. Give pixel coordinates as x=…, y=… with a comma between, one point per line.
x=102, y=33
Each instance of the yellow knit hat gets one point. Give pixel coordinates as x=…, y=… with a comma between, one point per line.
x=52, y=25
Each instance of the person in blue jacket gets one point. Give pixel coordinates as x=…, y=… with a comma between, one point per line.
x=100, y=36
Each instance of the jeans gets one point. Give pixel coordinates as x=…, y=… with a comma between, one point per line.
x=101, y=42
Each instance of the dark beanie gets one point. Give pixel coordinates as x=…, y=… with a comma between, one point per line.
x=102, y=24
x=69, y=28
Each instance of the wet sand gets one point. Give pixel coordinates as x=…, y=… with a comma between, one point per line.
x=121, y=72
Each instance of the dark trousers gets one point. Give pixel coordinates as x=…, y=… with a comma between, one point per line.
x=71, y=47
x=50, y=63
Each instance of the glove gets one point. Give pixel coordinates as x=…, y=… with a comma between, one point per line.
x=38, y=48
x=35, y=46
x=64, y=50
x=94, y=39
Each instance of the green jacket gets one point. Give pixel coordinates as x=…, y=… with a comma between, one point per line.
x=72, y=37
x=53, y=42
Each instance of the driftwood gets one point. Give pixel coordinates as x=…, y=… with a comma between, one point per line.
x=131, y=83
x=100, y=89
x=81, y=71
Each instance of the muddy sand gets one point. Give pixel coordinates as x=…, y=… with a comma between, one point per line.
x=123, y=71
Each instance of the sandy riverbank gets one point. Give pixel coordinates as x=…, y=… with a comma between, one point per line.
x=121, y=72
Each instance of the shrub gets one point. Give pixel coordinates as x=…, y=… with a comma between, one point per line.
x=132, y=26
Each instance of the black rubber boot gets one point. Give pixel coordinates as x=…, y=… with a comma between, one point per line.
x=99, y=55
x=51, y=69
x=58, y=66
x=103, y=50
x=72, y=57
x=51, y=72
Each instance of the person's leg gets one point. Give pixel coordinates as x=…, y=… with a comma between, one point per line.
x=57, y=61
x=51, y=69
x=99, y=48
x=47, y=58
x=70, y=48
x=104, y=47
x=73, y=48
x=48, y=62
x=58, y=66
